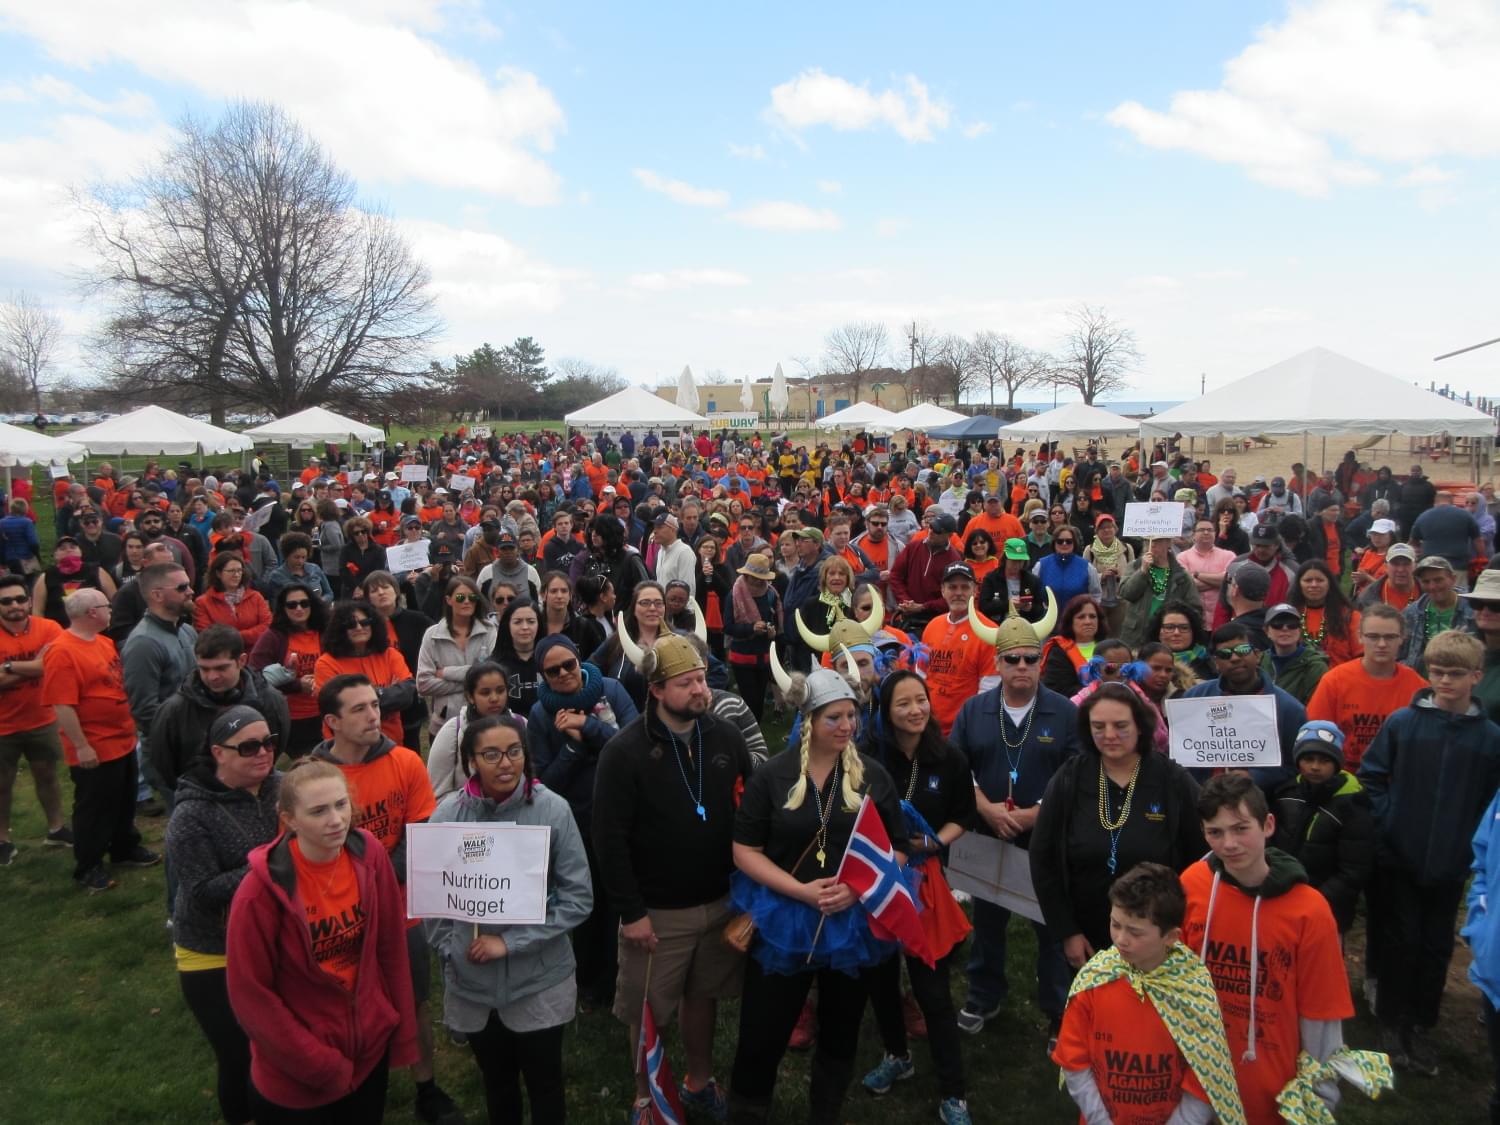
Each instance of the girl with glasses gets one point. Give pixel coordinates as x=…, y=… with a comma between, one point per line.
x=513, y=1005
x=465, y=636
x=356, y=641
x=231, y=600
x=645, y=620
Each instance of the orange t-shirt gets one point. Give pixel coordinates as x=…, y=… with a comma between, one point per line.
x=1300, y=975
x=1357, y=703
x=86, y=675
x=1396, y=599
x=957, y=660
x=982, y=567
x=390, y=791
x=1372, y=562
x=1339, y=650
x=302, y=651
x=1137, y=1065
x=21, y=707
x=1002, y=527
x=382, y=668
x=598, y=477
x=335, y=917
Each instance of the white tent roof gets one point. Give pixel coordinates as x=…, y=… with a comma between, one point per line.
x=1319, y=392
x=1071, y=418
x=861, y=416
x=19, y=446
x=316, y=423
x=927, y=416
x=155, y=431
x=634, y=406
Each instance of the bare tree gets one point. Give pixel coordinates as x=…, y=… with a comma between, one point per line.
x=958, y=365
x=28, y=337
x=244, y=272
x=1098, y=354
x=853, y=350
x=1000, y=361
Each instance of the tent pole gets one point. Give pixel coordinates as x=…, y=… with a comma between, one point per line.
x=1304, y=472
x=1323, y=459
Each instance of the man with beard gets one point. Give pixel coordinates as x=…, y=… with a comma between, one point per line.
x=665, y=843
x=153, y=528
x=1237, y=657
x=99, y=546
x=1266, y=553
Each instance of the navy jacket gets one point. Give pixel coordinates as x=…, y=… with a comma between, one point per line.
x=1290, y=715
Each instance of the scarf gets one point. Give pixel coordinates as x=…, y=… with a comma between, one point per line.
x=746, y=611
x=1367, y=1071
x=838, y=606
x=1182, y=992
x=584, y=699
x=1188, y=655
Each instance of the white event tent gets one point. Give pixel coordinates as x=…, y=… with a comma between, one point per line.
x=21, y=447
x=633, y=407
x=1070, y=418
x=156, y=431
x=861, y=416
x=316, y=424
x=927, y=416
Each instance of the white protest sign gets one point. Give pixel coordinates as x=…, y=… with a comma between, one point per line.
x=258, y=519
x=408, y=556
x=478, y=872
x=481, y=432
x=413, y=472
x=1162, y=520
x=59, y=471
x=1223, y=731
x=460, y=484
x=995, y=871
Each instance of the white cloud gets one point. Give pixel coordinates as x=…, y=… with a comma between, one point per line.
x=1272, y=315
x=680, y=191
x=1338, y=88
x=976, y=129
x=1427, y=175
x=50, y=88
x=816, y=98
x=890, y=226
x=660, y=281
x=478, y=275
x=1154, y=283
x=830, y=187
x=785, y=215
x=387, y=102
x=747, y=152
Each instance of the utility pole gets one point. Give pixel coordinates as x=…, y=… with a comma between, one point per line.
x=912, y=340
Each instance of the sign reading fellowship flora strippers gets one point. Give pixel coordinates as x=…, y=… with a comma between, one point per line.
x=1226, y=732
x=493, y=873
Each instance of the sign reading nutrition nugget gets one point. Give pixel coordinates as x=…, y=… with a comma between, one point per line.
x=490, y=873
x=1224, y=732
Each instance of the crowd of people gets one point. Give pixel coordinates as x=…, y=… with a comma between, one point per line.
x=600, y=636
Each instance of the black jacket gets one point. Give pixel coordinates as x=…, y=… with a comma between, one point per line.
x=179, y=732
x=994, y=595
x=1331, y=830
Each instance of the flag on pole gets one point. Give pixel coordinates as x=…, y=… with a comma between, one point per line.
x=870, y=869
x=666, y=1106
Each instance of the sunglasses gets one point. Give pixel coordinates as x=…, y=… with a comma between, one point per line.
x=1236, y=650
x=1284, y=623
x=569, y=665
x=251, y=746
x=1493, y=607
x=492, y=757
x=1014, y=658
x=1062, y=542
x=360, y=623
x=183, y=587
x=302, y=604
x=466, y=598
x=20, y=599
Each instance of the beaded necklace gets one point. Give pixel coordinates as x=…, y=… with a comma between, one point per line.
x=1114, y=826
x=696, y=798
x=1315, y=642
x=825, y=811
x=1018, y=747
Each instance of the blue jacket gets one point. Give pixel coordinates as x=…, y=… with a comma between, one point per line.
x=1290, y=715
x=567, y=767
x=1430, y=775
x=18, y=535
x=1067, y=578
x=1482, y=928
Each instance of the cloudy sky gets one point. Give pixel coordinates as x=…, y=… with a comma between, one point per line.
x=648, y=186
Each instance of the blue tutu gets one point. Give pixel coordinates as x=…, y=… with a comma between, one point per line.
x=785, y=929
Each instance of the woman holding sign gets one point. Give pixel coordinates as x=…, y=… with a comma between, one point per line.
x=317, y=930
x=1113, y=806
x=511, y=989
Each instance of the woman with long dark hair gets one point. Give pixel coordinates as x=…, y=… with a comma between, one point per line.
x=1080, y=624
x=406, y=627
x=1329, y=623
x=352, y=644
x=608, y=556
x=1180, y=627
x=516, y=639
x=292, y=645
x=465, y=636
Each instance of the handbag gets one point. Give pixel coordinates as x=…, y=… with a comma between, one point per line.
x=739, y=931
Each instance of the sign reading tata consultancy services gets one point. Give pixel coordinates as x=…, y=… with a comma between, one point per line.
x=475, y=872
x=740, y=420
x=1226, y=731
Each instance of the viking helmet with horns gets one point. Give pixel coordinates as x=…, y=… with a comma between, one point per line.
x=1015, y=631
x=637, y=655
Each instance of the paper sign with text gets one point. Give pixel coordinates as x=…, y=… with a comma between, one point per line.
x=59, y=471
x=994, y=870
x=408, y=556
x=1153, y=521
x=414, y=473
x=478, y=872
x=460, y=484
x=1224, y=731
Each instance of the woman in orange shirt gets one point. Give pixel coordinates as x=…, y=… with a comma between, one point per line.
x=979, y=553
x=1329, y=624
x=294, y=641
x=352, y=644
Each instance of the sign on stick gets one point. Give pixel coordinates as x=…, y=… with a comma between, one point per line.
x=478, y=872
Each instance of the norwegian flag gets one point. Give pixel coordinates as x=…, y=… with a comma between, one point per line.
x=869, y=868
x=666, y=1106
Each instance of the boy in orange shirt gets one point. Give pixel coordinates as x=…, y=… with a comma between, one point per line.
x=1135, y=1018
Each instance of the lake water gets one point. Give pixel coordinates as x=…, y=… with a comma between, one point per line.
x=1132, y=407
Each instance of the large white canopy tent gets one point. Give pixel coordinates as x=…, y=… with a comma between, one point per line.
x=316, y=424
x=1317, y=393
x=155, y=431
x=927, y=416
x=1071, y=418
x=633, y=407
x=861, y=416
x=21, y=447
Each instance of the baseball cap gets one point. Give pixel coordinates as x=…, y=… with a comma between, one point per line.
x=408, y=521
x=809, y=533
x=943, y=525
x=995, y=497
x=1319, y=736
x=1016, y=549
x=1432, y=562
x=1385, y=527
x=506, y=539
x=958, y=570
x=1103, y=517
x=1284, y=609
x=1400, y=551
x=1264, y=533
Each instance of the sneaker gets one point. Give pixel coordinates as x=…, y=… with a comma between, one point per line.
x=641, y=1113
x=911, y=1015
x=1394, y=1046
x=96, y=879
x=436, y=1108
x=150, y=807
x=972, y=1021
x=7, y=853
x=141, y=857
x=954, y=1111
x=806, y=1031
x=62, y=838
x=890, y=1071
x=709, y=1101
x=1420, y=1056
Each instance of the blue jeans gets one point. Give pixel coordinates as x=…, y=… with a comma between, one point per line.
x=988, y=986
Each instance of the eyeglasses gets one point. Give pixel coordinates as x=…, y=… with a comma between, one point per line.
x=1493, y=607
x=360, y=623
x=251, y=746
x=1176, y=628
x=20, y=599
x=466, y=598
x=492, y=757
x=1236, y=650
x=303, y=604
x=1062, y=542
x=652, y=603
x=569, y=665
x=876, y=523
x=1014, y=658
